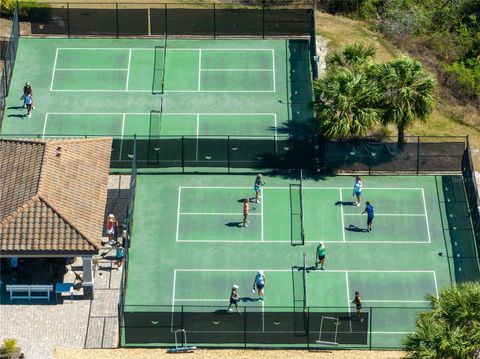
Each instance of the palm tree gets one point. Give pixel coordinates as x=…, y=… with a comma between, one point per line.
x=451, y=329
x=408, y=93
x=346, y=103
x=352, y=56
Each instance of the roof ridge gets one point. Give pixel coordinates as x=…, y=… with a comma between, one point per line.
x=16, y=213
x=25, y=140
x=92, y=243
x=86, y=139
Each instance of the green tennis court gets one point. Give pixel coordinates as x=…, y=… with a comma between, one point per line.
x=189, y=247
x=153, y=88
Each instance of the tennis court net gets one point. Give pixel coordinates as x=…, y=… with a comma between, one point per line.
x=159, y=68
x=302, y=222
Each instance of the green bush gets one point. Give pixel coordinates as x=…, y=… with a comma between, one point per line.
x=9, y=346
x=467, y=74
x=8, y=6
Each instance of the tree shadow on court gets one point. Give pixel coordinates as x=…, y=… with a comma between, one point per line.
x=234, y=224
x=344, y=203
x=249, y=300
x=353, y=228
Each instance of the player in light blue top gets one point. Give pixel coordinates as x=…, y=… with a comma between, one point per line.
x=260, y=282
x=357, y=190
x=259, y=182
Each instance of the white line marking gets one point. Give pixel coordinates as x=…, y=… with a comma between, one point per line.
x=435, y=280
x=342, y=214
x=197, y=132
x=199, y=68
x=263, y=316
x=128, y=70
x=426, y=216
x=289, y=270
x=348, y=298
x=173, y=91
x=121, y=138
x=151, y=49
x=217, y=214
x=390, y=301
x=178, y=212
x=173, y=297
x=45, y=125
x=92, y=69
x=201, y=300
x=285, y=188
x=288, y=241
x=53, y=71
x=170, y=113
x=261, y=209
x=273, y=60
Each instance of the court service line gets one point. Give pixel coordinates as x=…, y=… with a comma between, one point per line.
x=172, y=91
x=341, y=211
x=426, y=216
x=128, y=70
x=90, y=69
x=239, y=70
x=289, y=242
x=45, y=125
x=216, y=214
x=199, y=68
x=153, y=49
x=121, y=139
x=273, y=63
x=170, y=113
x=390, y=214
x=178, y=212
x=54, y=68
x=304, y=187
x=315, y=271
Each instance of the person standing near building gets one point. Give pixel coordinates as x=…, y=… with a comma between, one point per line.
x=357, y=190
x=370, y=214
x=320, y=255
x=260, y=282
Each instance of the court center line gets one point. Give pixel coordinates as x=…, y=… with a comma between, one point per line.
x=54, y=68
x=217, y=214
x=121, y=138
x=390, y=214
x=273, y=63
x=90, y=69
x=45, y=125
x=128, y=69
x=173, y=297
x=261, y=213
x=342, y=214
x=199, y=68
x=426, y=216
x=348, y=298
x=178, y=212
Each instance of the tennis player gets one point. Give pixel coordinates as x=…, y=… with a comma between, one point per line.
x=358, y=304
x=320, y=255
x=246, y=209
x=259, y=182
x=260, y=282
x=370, y=214
x=357, y=190
x=234, y=299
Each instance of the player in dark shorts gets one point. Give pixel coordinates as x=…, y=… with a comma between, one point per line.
x=320, y=255
x=358, y=304
x=370, y=214
x=234, y=299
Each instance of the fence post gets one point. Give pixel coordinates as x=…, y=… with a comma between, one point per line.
x=418, y=154
x=183, y=154
x=68, y=19
x=370, y=327
x=245, y=327
x=116, y=17
x=214, y=22
x=228, y=153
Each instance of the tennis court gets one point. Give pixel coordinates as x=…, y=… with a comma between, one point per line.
x=189, y=247
x=154, y=87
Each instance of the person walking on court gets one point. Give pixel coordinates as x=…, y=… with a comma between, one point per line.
x=357, y=190
x=370, y=214
x=27, y=90
x=260, y=282
x=320, y=255
x=29, y=104
x=358, y=304
x=259, y=182
x=234, y=299
x=246, y=209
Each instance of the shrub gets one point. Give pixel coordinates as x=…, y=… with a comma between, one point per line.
x=9, y=346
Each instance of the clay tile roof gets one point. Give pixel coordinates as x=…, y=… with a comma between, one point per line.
x=53, y=195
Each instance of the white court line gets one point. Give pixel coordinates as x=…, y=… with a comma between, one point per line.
x=217, y=214
x=169, y=113
x=173, y=296
x=128, y=70
x=390, y=214
x=261, y=218
x=289, y=270
x=436, y=285
x=348, y=299
x=178, y=212
x=53, y=71
x=92, y=69
x=389, y=301
x=304, y=187
x=201, y=300
x=273, y=60
x=173, y=91
x=152, y=49
x=45, y=125
x=199, y=68
x=121, y=138
x=341, y=211
x=288, y=241
x=426, y=216
x=198, y=130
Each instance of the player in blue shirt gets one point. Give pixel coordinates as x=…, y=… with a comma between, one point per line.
x=370, y=215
